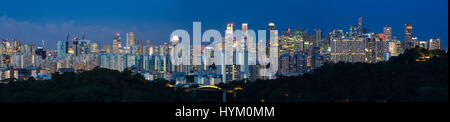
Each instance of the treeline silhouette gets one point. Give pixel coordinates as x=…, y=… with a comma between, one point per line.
x=418, y=75
x=97, y=85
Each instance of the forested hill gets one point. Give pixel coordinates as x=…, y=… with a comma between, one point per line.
x=418, y=75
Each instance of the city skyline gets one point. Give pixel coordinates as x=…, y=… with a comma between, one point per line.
x=100, y=20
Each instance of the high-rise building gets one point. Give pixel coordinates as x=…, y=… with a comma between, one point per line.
x=131, y=40
x=94, y=48
x=226, y=54
x=393, y=48
x=414, y=39
x=243, y=51
x=84, y=47
x=107, y=48
x=348, y=50
x=318, y=38
x=288, y=44
x=353, y=32
x=409, y=43
x=67, y=43
x=116, y=44
x=61, y=49
x=387, y=33
x=423, y=44
x=75, y=46
x=271, y=27
x=359, y=28
x=399, y=46
x=435, y=44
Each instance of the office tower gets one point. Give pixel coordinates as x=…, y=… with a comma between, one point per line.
x=284, y=64
x=423, y=44
x=288, y=44
x=353, y=32
x=140, y=48
x=244, y=27
x=273, y=53
x=271, y=27
x=399, y=46
x=371, y=50
x=75, y=46
x=387, y=31
x=349, y=50
x=16, y=45
x=318, y=34
x=229, y=42
x=318, y=38
x=94, y=48
x=360, y=19
x=67, y=43
x=435, y=44
x=61, y=49
x=393, y=48
x=414, y=39
x=83, y=47
x=409, y=43
x=107, y=48
x=40, y=52
x=244, y=51
x=131, y=41
x=298, y=36
x=116, y=44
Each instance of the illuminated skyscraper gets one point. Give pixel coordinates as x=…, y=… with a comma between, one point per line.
x=140, y=48
x=226, y=67
x=75, y=46
x=61, y=49
x=288, y=44
x=243, y=51
x=393, y=48
x=360, y=19
x=409, y=43
x=94, y=48
x=414, y=39
x=387, y=33
x=298, y=36
x=318, y=38
x=353, y=31
x=84, y=47
x=131, y=40
x=271, y=27
x=351, y=50
x=116, y=44
x=435, y=44
x=67, y=43
x=423, y=44
x=107, y=48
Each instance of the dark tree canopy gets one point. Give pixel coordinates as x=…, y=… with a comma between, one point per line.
x=418, y=75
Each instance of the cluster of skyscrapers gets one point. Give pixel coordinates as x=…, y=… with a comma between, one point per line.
x=299, y=52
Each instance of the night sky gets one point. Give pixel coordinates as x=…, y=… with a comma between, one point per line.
x=32, y=21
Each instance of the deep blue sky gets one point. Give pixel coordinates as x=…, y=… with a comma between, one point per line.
x=30, y=21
